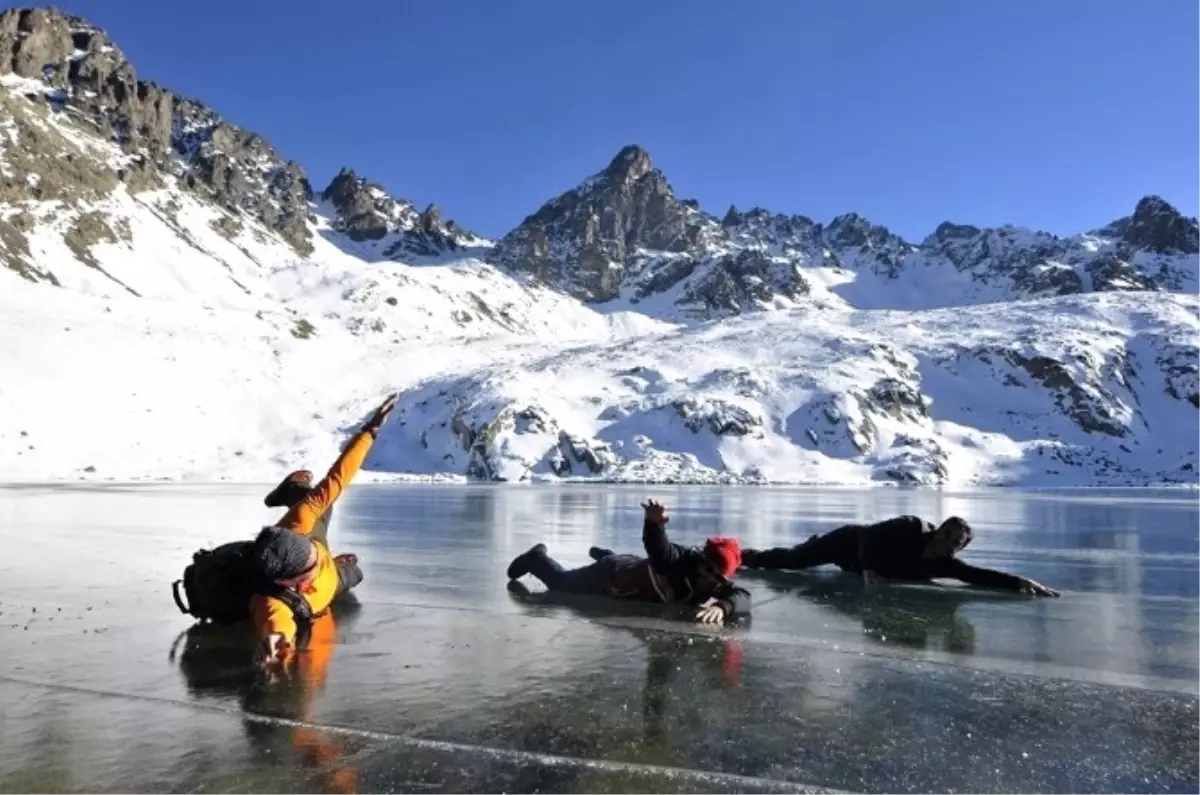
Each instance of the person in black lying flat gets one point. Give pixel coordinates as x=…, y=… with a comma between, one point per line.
x=670, y=573
x=902, y=548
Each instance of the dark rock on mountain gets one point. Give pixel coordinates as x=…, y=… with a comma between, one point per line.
x=86, y=72
x=365, y=212
x=584, y=240
x=1157, y=226
x=622, y=233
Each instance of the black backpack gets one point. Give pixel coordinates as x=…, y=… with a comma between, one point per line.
x=219, y=583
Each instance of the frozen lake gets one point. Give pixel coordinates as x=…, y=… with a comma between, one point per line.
x=444, y=680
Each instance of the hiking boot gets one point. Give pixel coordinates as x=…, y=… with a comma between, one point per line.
x=597, y=553
x=521, y=563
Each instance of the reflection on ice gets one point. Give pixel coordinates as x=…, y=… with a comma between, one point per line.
x=443, y=679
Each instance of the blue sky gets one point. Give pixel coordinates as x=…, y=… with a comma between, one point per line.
x=1054, y=114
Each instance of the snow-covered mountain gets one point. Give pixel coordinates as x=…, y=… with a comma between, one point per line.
x=622, y=238
x=177, y=302
x=1105, y=394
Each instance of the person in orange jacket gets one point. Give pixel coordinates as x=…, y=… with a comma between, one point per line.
x=289, y=554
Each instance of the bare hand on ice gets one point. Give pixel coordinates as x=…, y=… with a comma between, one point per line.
x=1034, y=588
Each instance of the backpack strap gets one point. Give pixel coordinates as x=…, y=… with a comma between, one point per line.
x=297, y=603
x=179, y=601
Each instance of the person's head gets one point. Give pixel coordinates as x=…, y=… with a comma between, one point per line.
x=290, y=490
x=950, y=538
x=285, y=557
x=722, y=557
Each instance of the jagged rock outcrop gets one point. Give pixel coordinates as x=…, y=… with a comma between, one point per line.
x=1158, y=227
x=857, y=241
x=585, y=240
x=82, y=69
x=365, y=212
x=1180, y=366
x=623, y=233
x=744, y=281
x=576, y=455
x=719, y=417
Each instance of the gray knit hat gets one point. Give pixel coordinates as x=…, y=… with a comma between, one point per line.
x=280, y=553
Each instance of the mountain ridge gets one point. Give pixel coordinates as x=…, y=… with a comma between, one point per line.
x=622, y=234
x=240, y=170
x=210, y=299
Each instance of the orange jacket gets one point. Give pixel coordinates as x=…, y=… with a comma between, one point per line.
x=321, y=748
x=271, y=615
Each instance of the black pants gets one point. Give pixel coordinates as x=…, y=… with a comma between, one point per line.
x=816, y=551
x=591, y=579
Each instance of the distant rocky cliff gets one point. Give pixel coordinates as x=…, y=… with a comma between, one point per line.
x=623, y=233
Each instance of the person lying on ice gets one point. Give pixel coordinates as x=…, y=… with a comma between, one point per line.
x=670, y=573
x=902, y=548
x=294, y=553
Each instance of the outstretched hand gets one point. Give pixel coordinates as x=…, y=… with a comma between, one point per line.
x=713, y=614
x=381, y=414
x=655, y=512
x=1033, y=588
x=274, y=650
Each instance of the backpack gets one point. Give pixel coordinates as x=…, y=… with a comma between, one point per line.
x=220, y=582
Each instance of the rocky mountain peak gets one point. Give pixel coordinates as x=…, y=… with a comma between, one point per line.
x=342, y=187
x=366, y=212
x=1157, y=226
x=851, y=230
x=631, y=164
x=584, y=241
x=791, y=235
x=44, y=43
x=756, y=216
x=431, y=218
x=948, y=231
x=81, y=69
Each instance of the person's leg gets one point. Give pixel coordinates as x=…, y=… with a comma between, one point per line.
x=590, y=579
x=816, y=551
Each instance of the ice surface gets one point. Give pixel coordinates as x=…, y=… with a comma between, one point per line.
x=441, y=679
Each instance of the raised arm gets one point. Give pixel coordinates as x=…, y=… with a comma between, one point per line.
x=302, y=517
x=659, y=549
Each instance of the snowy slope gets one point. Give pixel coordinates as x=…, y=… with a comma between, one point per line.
x=176, y=302
x=1069, y=391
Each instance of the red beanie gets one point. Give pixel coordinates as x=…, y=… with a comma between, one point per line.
x=725, y=552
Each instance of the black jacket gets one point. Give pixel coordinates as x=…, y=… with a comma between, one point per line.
x=892, y=549
x=670, y=574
